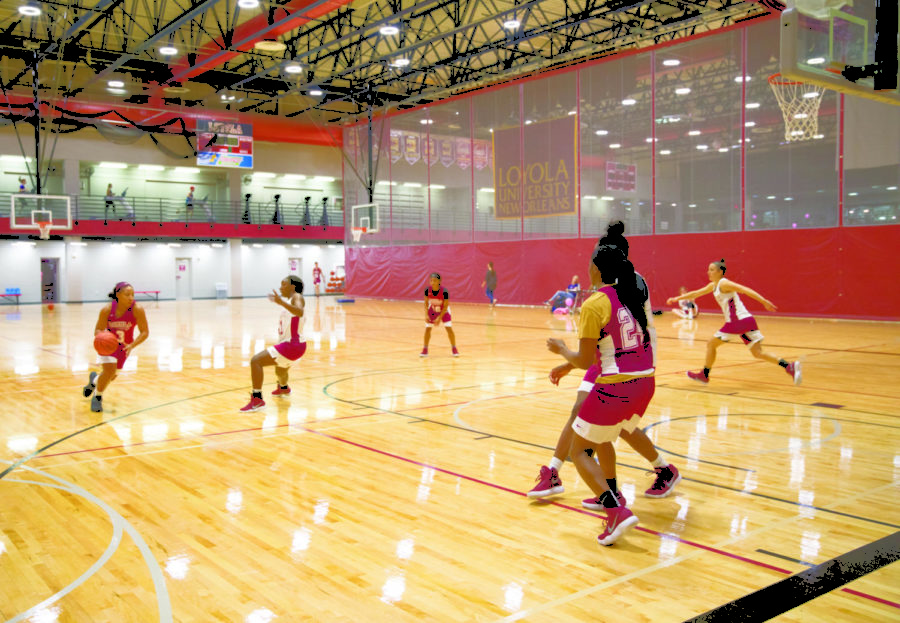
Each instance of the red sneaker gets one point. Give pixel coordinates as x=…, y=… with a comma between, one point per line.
x=424, y=353
x=666, y=479
x=255, y=404
x=595, y=505
x=281, y=392
x=548, y=483
x=618, y=522
x=699, y=377
x=455, y=352
x=794, y=370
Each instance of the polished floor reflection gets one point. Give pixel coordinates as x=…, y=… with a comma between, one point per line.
x=389, y=487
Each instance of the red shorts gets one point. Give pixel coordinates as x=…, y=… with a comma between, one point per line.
x=117, y=357
x=613, y=407
x=286, y=353
x=445, y=319
x=746, y=328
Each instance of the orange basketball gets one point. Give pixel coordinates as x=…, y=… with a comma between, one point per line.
x=105, y=343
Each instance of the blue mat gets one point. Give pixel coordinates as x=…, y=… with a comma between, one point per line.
x=346, y=300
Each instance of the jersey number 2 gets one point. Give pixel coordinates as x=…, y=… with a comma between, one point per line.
x=630, y=332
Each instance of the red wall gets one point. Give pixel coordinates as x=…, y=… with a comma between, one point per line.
x=839, y=272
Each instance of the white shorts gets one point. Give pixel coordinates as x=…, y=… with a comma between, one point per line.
x=280, y=360
x=599, y=433
x=749, y=338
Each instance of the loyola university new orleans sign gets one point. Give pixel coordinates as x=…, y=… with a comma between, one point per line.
x=543, y=181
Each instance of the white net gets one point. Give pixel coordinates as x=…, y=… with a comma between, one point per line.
x=45, y=230
x=799, y=103
x=357, y=233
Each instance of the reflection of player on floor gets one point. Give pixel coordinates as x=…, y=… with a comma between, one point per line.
x=738, y=321
x=120, y=317
x=290, y=346
x=437, y=310
x=613, y=332
x=667, y=476
x=317, y=277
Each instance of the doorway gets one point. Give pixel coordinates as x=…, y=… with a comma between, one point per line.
x=183, y=279
x=49, y=279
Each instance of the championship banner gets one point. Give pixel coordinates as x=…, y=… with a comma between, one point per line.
x=396, y=151
x=463, y=153
x=431, y=151
x=481, y=155
x=412, y=148
x=546, y=184
x=448, y=154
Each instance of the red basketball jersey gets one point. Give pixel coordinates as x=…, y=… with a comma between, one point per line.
x=435, y=300
x=123, y=326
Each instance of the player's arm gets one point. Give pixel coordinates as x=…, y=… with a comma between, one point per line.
x=102, y=319
x=142, y=326
x=595, y=314
x=708, y=288
x=444, y=304
x=294, y=305
x=582, y=358
x=730, y=286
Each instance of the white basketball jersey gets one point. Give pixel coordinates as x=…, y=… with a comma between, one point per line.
x=731, y=305
x=290, y=327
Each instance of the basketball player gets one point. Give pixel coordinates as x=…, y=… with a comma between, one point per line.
x=490, y=283
x=317, y=277
x=437, y=310
x=738, y=321
x=290, y=347
x=613, y=333
x=686, y=309
x=119, y=317
x=667, y=475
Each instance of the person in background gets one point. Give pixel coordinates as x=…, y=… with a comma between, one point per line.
x=490, y=283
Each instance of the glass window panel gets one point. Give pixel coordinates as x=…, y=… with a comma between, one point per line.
x=410, y=218
x=871, y=162
x=789, y=184
x=495, y=111
x=698, y=135
x=450, y=176
x=614, y=121
x=549, y=135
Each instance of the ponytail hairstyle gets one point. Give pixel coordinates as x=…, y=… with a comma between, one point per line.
x=114, y=294
x=435, y=275
x=615, y=268
x=297, y=282
x=615, y=236
x=720, y=265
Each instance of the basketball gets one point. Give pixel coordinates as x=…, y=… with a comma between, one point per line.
x=50, y=306
x=105, y=343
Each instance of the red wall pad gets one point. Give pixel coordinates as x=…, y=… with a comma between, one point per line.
x=845, y=272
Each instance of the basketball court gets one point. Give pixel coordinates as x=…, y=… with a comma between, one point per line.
x=392, y=487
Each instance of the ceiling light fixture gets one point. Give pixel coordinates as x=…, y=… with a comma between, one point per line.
x=388, y=31
x=511, y=24
x=248, y=4
x=168, y=50
x=315, y=92
x=115, y=84
x=293, y=68
x=30, y=9
x=671, y=62
x=629, y=101
x=682, y=91
x=400, y=62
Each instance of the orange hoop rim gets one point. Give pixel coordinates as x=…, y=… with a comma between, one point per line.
x=779, y=80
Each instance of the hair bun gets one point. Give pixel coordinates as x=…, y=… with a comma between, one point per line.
x=616, y=228
x=722, y=260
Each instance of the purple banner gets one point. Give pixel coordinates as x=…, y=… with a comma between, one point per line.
x=448, y=154
x=412, y=148
x=431, y=152
x=482, y=154
x=463, y=153
x=396, y=150
x=545, y=186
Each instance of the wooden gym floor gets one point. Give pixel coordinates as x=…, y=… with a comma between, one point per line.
x=391, y=488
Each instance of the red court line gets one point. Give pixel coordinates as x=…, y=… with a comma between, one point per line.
x=586, y=512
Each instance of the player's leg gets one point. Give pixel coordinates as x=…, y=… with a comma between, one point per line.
x=257, y=375
x=548, y=480
x=426, y=340
x=281, y=375
x=711, y=346
x=792, y=368
x=107, y=374
x=452, y=336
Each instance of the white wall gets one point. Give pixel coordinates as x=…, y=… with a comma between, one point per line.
x=89, y=270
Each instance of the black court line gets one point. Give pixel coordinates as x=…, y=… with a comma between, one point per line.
x=827, y=405
x=483, y=437
x=788, y=558
x=805, y=586
x=522, y=442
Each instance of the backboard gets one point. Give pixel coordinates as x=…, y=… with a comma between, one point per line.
x=365, y=215
x=844, y=45
x=26, y=211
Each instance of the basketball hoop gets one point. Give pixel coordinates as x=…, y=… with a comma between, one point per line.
x=44, y=227
x=357, y=233
x=799, y=103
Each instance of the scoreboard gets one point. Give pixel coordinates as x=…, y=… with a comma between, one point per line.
x=224, y=144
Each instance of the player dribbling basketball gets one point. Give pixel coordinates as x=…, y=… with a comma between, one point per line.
x=120, y=317
x=437, y=310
